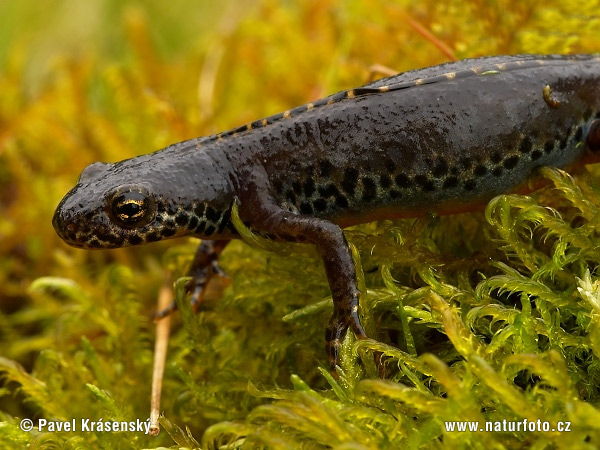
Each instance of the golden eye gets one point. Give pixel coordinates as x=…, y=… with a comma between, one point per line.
x=132, y=209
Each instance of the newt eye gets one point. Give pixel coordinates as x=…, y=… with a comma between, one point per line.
x=132, y=208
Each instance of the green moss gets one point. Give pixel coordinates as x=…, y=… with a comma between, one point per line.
x=488, y=316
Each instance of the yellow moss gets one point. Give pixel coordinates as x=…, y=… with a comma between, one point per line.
x=487, y=316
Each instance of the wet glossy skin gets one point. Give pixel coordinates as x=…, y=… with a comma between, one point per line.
x=446, y=138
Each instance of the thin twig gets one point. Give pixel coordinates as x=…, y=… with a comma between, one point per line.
x=165, y=297
x=419, y=28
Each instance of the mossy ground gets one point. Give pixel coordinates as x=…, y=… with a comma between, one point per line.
x=488, y=316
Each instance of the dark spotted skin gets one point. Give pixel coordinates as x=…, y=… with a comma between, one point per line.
x=445, y=138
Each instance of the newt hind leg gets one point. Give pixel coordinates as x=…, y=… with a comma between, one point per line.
x=203, y=267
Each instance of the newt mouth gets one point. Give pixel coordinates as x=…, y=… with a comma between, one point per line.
x=66, y=229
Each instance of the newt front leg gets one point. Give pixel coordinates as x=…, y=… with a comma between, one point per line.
x=262, y=214
x=203, y=267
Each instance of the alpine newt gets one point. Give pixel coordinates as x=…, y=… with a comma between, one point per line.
x=444, y=139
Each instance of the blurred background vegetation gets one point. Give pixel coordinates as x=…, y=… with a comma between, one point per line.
x=104, y=80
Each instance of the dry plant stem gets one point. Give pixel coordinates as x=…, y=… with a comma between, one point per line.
x=375, y=70
x=165, y=297
x=447, y=51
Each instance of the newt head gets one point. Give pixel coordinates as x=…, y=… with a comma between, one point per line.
x=174, y=192
x=106, y=210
